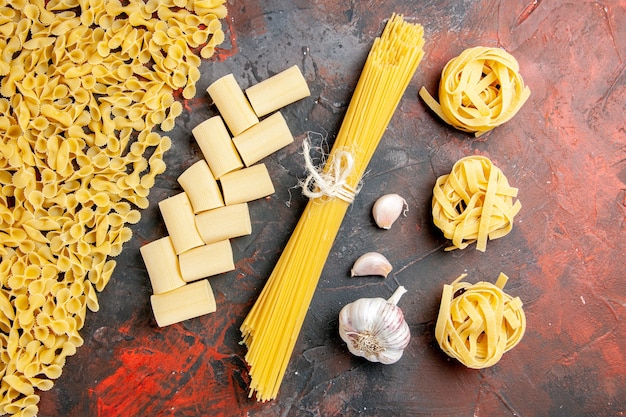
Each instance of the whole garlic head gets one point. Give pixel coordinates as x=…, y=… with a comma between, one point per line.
x=375, y=329
x=388, y=208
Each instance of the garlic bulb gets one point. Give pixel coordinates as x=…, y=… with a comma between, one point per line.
x=388, y=208
x=371, y=263
x=375, y=329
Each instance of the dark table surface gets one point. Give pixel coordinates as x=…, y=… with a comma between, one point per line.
x=565, y=151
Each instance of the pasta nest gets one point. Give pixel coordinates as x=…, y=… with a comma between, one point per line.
x=474, y=203
x=478, y=323
x=479, y=90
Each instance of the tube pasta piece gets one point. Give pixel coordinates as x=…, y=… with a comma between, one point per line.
x=474, y=203
x=180, y=222
x=263, y=139
x=207, y=260
x=161, y=263
x=217, y=147
x=479, y=90
x=278, y=91
x=246, y=185
x=232, y=104
x=201, y=187
x=189, y=301
x=224, y=223
x=478, y=323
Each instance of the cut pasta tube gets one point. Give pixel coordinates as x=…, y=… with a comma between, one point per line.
x=263, y=139
x=232, y=104
x=187, y=302
x=217, y=147
x=278, y=91
x=180, y=222
x=207, y=260
x=161, y=263
x=246, y=185
x=201, y=187
x=224, y=223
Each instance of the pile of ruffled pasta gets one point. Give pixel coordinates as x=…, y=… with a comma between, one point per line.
x=85, y=87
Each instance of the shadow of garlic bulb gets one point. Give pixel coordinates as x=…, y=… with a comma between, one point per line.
x=374, y=328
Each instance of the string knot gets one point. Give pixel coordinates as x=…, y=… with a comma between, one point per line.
x=330, y=182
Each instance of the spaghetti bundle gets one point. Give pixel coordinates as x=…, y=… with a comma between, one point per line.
x=271, y=328
x=479, y=322
x=474, y=203
x=480, y=89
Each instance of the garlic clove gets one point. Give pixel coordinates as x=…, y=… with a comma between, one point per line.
x=371, y=263
x=388, y=208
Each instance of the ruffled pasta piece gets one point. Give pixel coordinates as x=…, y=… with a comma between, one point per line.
x=479, y=90
x=474, y=203
x=478, y=323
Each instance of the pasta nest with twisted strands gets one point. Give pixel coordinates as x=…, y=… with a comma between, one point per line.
x=479, y=322
x=479, y=90
x=474, y=203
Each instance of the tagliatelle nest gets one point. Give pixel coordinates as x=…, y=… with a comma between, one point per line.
x=474, y=203
x=83, y=86
x=479, y=322
x=479, y=90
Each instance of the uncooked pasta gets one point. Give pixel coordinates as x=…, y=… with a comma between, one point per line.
x=479, y=90
x=479, y=322
x=83, y=86
x=272, y=327
x=474, y=203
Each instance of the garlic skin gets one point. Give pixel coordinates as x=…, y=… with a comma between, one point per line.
x=374, y=328
x=388, y=208
x=371, y=263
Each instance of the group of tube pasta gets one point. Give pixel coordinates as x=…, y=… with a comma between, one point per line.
x=213, y=206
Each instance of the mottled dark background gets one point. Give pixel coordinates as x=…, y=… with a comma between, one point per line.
x=565, y=151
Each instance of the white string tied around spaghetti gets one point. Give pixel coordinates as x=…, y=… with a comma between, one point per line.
x=331, y=182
